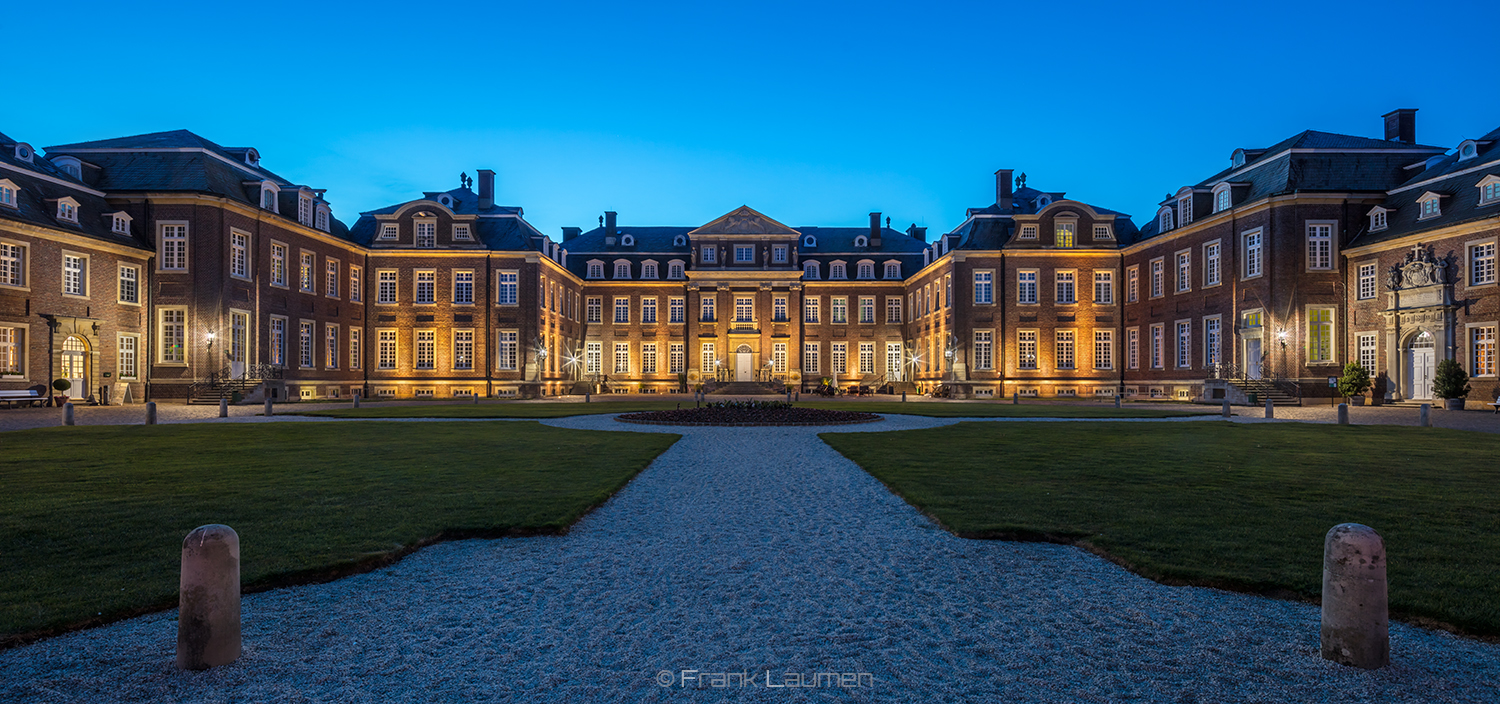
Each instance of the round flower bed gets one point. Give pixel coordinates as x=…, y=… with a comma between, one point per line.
x=748, y=413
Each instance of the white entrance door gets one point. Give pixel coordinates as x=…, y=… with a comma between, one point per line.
x=1252, y=358
x=73, y=357
x=1420, y=367
x=743, y=371
x=238, y=326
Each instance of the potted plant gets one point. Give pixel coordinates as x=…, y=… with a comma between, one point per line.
x=62, y=386
x=1451, y=383
x=1354, y=383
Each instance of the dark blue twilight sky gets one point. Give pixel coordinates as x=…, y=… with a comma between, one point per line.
x=815, y=114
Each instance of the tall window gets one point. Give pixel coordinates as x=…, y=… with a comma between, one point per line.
x=838, y=357
x=1066, y=290
x=130, y=284
x=892, y=309
x=1158, y=349
x=675, y=361
x=1064, y=349
x=648, y=310
x=1184, y=345
x=1025, y=349
x=508, y=352
x=594, y=309
x=1212, y=263
x=778, y=309
x=622, y=310
x=385, y=290
x=1133, y=348
x=744, y=310
x=331, y=279
x=127, y=354
x=239, y=255
x=174, y=247
x=1104, y=288
x=355, y=353
x=1165, y=220
x=1221, y=200
x=809, y=358
x=1252, y=254
x=426, y=287
x=1366, y=281
x=706, y=309
x=305, y=273
x=1483, y=344
x=331, y=346
x=305, y=344
x=1367, y=353
x=75, y=275
x=426, y=234
x=839, y=307
x=1184, y=271
x=278, y=264
x=866, y=310
x=676, y=310
x=1482, y=264
x=1319, y=335
x=278, y=341
x=1184, y=211
x=984, y=287
x=508, y=293
x=810, y=309
x=12, y=264
x=322, y=220
x=778, y=358
x=1065, y=234
x=866, y=358
x=1157, y=276
x=463, y=287
x=1213, y=342
x=1025, y=286
x=386, y=339
x=593, y=358
x=708, y=359
x=1104, y=349
x=1319, y=246
x=1132, y=284
x=463, y=349
x=426, y=349
x=622, y=358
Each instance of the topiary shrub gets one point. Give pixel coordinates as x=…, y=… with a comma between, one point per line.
x=1451, y=381
x=1355, y=381
x=62, y=385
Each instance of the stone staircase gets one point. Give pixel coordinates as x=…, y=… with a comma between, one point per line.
x=749, y=388
x=1266, y=389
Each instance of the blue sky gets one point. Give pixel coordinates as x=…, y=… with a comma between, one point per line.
x=814, y=114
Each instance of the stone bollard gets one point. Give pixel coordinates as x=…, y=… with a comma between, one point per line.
x=208, y=616
x=223, y=407
x=1015, y=398
x=1343, y=414
x=1225, y=411
x=269, y=411
x=68, y=413
x=797, y=396
x=1117, y=400
x=1356, y=626
x=903, y=397
x=150, y=413
x=1424, y=418
x=788, y=397
x=1270, y=409
x=586, y=397
x=476, y=399
x=356, y=400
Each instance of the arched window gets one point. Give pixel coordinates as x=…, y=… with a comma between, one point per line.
x=1165, y=219
x=622, y=269
x=1221, y=198
x=809, y=269
x=836, y=271
x=675, y=269
x=595, y=269
x=893, y=270
x=648, y=269
x=866, y=269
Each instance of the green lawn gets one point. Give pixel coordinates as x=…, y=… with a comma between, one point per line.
x=977, y=409
x=92, y=517
x=1237, y=506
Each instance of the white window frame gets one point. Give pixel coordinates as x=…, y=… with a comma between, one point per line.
x=708, y=254
x=1065, y=349
x=622, y=270
x=463, y=347
x=1133, y=283
x=1104, y=280
x=837, y=271
x=810, y=357
x=1472, y=340
x=1028, y=357
x=1321, y=249
x=387, y=281
x=424, y=343
x=744, y=254
x=1182, y=344
x=1253, y=251
x=1183, y=270
x=984, y=287
x=1482, y=259
x=810, y=270
x=132, y=351
x=167, y=261
x=508, y=287
x=676, y=310
x=1367, y=284
x=1065, y=281
x=17, y=265
x=1213, y=341
x=1368, y=345
x=161, y=336
x=389, y=231
x=595, y=269
x=1104, y=349
x=418, y=278
x=1157, y=287
x=135, y=280
x=461, y=232
x=424, y=233
x=331, y=277
x=1333, y=341
x=84, y=274
x=307, y=271
x=508, y=351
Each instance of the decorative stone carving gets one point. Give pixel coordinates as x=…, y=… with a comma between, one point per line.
x=1421, y=268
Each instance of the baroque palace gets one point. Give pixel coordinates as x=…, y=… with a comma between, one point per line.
x=165, y=266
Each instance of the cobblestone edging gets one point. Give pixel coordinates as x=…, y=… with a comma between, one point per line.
x=748, y=425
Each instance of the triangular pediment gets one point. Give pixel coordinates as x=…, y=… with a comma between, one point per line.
x=743, y=220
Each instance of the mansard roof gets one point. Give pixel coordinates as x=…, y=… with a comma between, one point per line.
x=465, y=202
x=1456, y=180
x=500, y=228
x=40, y=184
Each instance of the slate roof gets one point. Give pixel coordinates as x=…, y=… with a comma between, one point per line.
x=36, y=200
x=1456, y=179
x=493, y=229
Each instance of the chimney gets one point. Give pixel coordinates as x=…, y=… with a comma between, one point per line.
x=917, y=233
x=486, y=189
x=609, y=223
x=1002, y=188
x=571, y=232
x=1401, y=125
x=875, y=229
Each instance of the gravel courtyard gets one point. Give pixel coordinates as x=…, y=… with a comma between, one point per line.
x=759, y=552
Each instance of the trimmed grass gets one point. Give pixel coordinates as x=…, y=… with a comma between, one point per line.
x=978, y=409
x=92, y=517
x=1243, y=507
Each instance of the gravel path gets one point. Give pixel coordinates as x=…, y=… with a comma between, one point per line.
x=748, y=551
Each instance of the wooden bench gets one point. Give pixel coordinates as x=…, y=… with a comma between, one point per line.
x=26, y=396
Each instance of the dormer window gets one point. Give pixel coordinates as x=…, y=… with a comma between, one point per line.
x=1164, y=220
x=675, y=269
x=252, y=157
x=390, y=231
x=1028, y=232
x=866, y=270
x=627, y=240
x=836, y=271
x=8, y=193
x=1431, y=206
x=461, y=232
x=1064, y=233
x=622, y=269
x=1377, y=219
x=320, y=221
x=1467, y=150
x=70, y=166
x=1221, y=198
x=679, y=241
x=67, y=210
x=1103, y=232
x=1184, y=211
x=893, y=270
x=1238, y=158
x=305, y=209
x=648, y=269
x=595, y=269
x=810, y=270
x=119, y=223
x=809, y=241
x=1043, y=201
x=446, y=200
x=426, y=233
x=268, y=194
x=1489, y=190
x=24, y=152
x=861, y=241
